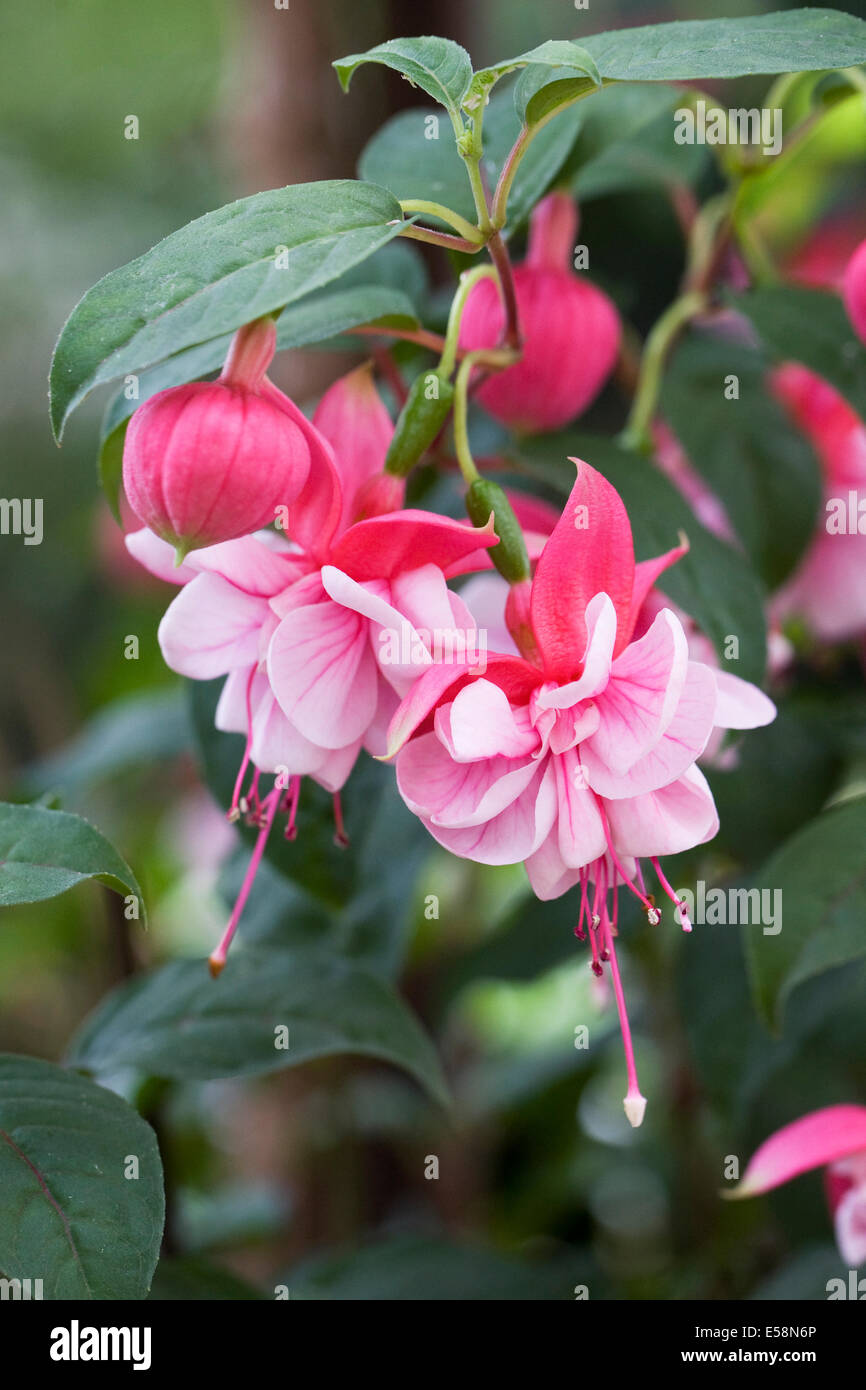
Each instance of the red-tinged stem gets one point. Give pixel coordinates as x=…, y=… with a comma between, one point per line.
x=499, y=255
x=434, y=341
x=451, y=243
x=217, y=958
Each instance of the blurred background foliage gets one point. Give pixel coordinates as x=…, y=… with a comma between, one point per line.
x=319, y=1178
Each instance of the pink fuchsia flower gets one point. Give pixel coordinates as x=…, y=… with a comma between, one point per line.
x=295, y=625
x=212, y=460
x=578, y=757
x=570, y=329
x=854, y=290
x=834, y=1139
x=828, y=588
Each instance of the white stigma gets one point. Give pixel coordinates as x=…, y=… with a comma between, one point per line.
x=634, y=1106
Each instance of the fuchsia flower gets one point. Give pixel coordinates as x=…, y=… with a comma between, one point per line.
x=829, y=586
x=835, y=1139
x=570, y=329
x=294, y=625
x=212, y=460
x=577, y=757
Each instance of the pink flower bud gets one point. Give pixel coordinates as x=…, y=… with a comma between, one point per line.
x=211, y=461
x=854, y=290
x=570, y=329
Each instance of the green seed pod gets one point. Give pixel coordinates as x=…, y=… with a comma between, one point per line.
x=427, y=407
x=509, y=556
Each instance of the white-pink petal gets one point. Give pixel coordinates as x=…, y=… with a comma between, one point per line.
x=210, y=628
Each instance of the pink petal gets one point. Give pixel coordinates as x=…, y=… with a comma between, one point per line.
x=250, y=563
x=157, y=556
x=849, y=1222
x=644, y=690
x=353, y=419
x=480, y=723
x=323, y=673
x=667, y=821
x=276, y=745
x=384, y=546
x=672, y=755
x=514, y=675
x=601, y=637
x=581, y=831
x=590, y=552
x=211, y=627
x=741, y=705
x=646, y=572
x=549, y=876
x=454, y=794
x=315, y=515
x=816, y=1139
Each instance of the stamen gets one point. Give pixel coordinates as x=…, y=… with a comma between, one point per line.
x=235, y=809
x=340, y=836
x=290, y=804
x=634, y=1103
x=217, y=958
x=678, y=902
x=642, y=897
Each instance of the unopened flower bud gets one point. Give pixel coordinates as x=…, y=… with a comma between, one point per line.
x=210, y=461
x=570, y=329
x=427, y=407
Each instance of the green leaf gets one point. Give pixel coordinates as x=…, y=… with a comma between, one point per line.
x=537, y=97
x=441, y=68
x=180, y=1023
x=803, y=40
x=43, y=853
x=712, y=583
x=135, y=730
x=821, y=873
x=313, y=320
x=811, y=327
x=188, y=1279
x=752, y=457
x=110, y=462
x=420, y=1267
x=214, y=275
x=70, y=1213
x=401, y=158
x=560, y=55
x=372, y=908
x=626, y=141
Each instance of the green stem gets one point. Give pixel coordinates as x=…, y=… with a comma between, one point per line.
x=460, y=224
x=501, y=259
x=433, y=238
x=467, y=281
x=470, y=147
x=461, y=433
x=499, y=210
x=636, y=434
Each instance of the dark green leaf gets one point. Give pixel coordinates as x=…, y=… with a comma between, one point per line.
x=803, y=40
x=712, y=583
x=44, y=853
x=191, y=1280
x=403, y=159
x=821, y=873
x=626, y=141
x=321, y=316
x=72, y=1211
x=441, y=68
x=571, y=63
x=751, y=456
x=180, y=1023
x=134, y=730
x=214, y=275
x=810, y=326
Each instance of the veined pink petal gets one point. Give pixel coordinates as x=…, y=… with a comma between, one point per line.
x=157, y=556
x=596, y=664
x=352, y=417
x=275, y=743
x=485, y=596
x=384, y=546
x=398, y=648
x=456, y=795
x=323, y=673
x=581, y=831
x=667, y=821
x=480, y=724
x=315, y=515
x=741, y=705
x=682, y=742
x=511, y=673
x=642, y=695
x=549, y=876
x=211, y=627
x=816, y=1139
x=590, y=552
x=250, y=563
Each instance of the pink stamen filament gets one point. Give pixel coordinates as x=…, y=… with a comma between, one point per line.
x=641, y=896
x=678, y=902
x=292, y=798
x=234, y=811
x=217, y=958
x=634, y=1102
x=340, y=836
